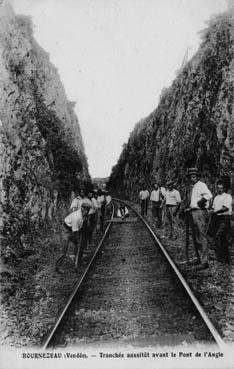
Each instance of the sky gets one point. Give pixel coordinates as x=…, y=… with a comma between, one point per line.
x=114, y=58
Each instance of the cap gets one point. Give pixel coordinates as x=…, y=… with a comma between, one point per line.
x=192, y=171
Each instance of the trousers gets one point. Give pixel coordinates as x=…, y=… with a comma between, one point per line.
x=157, y=212
x=144, y=207
x=169, y=222
x=199, y=228
x=221, y=230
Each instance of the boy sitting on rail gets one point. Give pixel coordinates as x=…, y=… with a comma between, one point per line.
x=122, y=212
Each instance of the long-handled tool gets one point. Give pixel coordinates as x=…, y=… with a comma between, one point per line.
x=187, y=240
x=189, y=225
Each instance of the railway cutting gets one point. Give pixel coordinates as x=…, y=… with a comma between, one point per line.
x=133, y=295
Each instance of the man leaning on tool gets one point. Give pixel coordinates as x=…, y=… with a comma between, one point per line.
x=221, y=213
x=200, y=196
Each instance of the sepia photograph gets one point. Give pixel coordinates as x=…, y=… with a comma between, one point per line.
x=117, y=184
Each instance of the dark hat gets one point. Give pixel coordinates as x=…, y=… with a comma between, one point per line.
x=192, y=171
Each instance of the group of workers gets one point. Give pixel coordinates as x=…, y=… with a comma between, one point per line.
x=161, y=199
x=207, y=216
x=86, y=213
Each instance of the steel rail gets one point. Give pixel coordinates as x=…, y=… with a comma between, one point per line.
x=205, y=318
x=60, y=318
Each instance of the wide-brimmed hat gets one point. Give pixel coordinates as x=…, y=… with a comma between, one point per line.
x=192, y=171
x=170, y=182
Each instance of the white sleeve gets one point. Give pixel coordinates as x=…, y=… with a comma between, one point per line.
x=178, y=198
x=95, y=204
x=163, y=191
x=228, y=201
x=73, y=204
x=205, y=192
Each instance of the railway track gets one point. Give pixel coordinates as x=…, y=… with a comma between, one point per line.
x=132, y=292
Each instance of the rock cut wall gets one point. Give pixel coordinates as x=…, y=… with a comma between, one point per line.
x=42, y=157
x=193, y=124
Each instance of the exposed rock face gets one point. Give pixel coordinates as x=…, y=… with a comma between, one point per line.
x=42, y=153
x=193, y=124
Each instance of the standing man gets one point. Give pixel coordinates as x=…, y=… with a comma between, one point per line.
x=144, y=198
x=222, y=210
x=172, y=204
x=157, y=198
x=76, y=202
x=200, y=197
x=108, y=198
x=92, y=216
x=85, y=233
x=85, y=198
x=101, y=201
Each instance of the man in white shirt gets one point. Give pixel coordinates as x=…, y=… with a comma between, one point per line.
x=101, y=201
x=200, y=198
x=172, y=204
x=86, y=229
x=72, y=230
x=76, y=202
x=144, y=198
x=79, y=200
x=221, y=211
x=100, y=198
x=157, y=197
x=92, y=216
x=108, y=198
